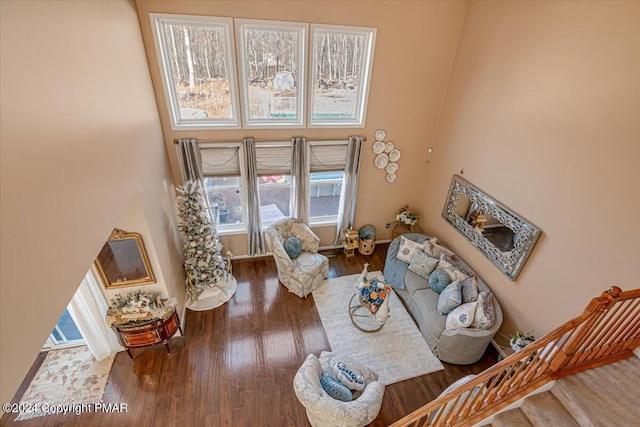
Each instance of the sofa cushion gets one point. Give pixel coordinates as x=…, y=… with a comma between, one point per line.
x=422, y=264
x=407, y=249
x=426, y=303
x=461, y=316
x=450, y=298
x=469, y=289
x=485, y=312
x=413, y=283
x=453, y=272
x=438, y=280
x=394, y=269
x=432, y=248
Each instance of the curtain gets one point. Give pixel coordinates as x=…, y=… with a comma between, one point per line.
x=88, y=309
x=347, y=209
x=254, y=224
x=189, y=159
x=300, y=179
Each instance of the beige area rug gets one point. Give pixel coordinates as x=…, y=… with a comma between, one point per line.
x=396, y=352
x=69, y=376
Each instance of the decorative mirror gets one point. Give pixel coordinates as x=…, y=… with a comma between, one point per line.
x=123, y=261
x=502, y=235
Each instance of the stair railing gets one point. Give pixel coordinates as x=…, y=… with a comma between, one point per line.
x=607, y=331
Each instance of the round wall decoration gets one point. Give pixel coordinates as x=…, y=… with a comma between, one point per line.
x=391, y=167
x=394, y=155
x=391, y=177
x=378, y=147
x=381, y=161
x=380, y=134
x=388, y=147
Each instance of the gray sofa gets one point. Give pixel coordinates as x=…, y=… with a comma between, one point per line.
x=462, y=346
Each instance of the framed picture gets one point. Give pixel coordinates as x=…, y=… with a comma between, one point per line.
x=123, y=261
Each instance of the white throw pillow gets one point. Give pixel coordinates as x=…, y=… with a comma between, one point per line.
x=407, y=248
x=451, y=270
x=461, y=316
x=432, y=248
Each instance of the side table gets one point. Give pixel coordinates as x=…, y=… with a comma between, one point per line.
x=150, y=332
x=398, y=228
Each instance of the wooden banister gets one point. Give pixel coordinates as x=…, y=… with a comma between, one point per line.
x=608, y=330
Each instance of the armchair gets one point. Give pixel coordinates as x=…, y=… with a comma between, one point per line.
x=303, y=274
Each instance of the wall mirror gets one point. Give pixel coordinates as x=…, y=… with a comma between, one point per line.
x=123, y=261
x=502, y=235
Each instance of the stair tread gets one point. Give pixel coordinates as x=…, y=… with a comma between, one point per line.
x=512, y=418
x=593, y=397
x=545, y=410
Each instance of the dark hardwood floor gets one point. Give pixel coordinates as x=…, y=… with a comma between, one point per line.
x=235, y=365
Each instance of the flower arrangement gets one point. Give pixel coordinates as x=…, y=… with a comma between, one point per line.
x=136, y=302
x=407, y=217
x=373, y=293
x=520, y=340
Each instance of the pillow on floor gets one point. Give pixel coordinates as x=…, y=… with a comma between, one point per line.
x=450, y=298
x=422, y=264
x=407, y=248
x=461, y=316
x=485, y=314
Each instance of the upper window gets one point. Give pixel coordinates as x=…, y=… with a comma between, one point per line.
x=272, y=58
x=340, y=74
x=197, y=63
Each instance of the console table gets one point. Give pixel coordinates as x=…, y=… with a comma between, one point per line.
x=398, y=228
x=148, y=332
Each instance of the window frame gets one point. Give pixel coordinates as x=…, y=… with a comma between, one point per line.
x=255, y=24
x=325, y=219
x=159, y=21
x=366, y=65
x=241, y=228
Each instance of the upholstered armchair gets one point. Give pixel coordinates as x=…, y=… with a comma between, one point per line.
x=325, y=411
x=303, y=274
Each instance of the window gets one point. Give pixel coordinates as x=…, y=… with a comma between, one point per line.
x=273, y=163
x=340, y=74
x=327, y=163
x=197, y=63
x=197, y=57
x=272, y=58
x=222, y=168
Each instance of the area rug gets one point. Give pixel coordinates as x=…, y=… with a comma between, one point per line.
x=396, y=352
x=70, y=377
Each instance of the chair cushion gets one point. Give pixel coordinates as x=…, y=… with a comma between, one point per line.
x=335, y=389
x=293, y=246
x=450, y=298
x=439, y=280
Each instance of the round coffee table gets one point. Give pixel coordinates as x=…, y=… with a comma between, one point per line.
x=361, y=317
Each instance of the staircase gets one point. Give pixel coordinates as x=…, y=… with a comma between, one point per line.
x=602, y=397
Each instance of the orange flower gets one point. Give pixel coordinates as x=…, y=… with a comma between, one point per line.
x=388, y=288
x=373, y=295
x=383, y=294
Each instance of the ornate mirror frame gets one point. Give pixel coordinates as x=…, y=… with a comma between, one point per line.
x=525, y=234
x=123, y=261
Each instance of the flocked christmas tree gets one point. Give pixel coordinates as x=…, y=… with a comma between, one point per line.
x=204, y=265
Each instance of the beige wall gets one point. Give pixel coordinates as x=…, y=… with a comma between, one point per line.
x=415, y=45
x=80, y=136
x=543, y=113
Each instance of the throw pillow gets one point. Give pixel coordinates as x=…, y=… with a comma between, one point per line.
x=422, y=264
x=438, y=280
x=450, y=298
x=432, y=248
x=451, y=270
x=335, y=389
x=348, y=377
x=407, y=248
x=461, y=316
x=469, y=289
x=485, y=314
x=293, y=246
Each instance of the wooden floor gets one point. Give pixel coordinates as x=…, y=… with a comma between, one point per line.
x=235, y=365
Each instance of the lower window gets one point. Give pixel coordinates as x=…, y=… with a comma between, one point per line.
x=275, y=197
x=325, y=191
x=225, y=199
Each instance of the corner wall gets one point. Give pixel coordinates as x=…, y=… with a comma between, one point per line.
x=542, y=112
x=80, y=136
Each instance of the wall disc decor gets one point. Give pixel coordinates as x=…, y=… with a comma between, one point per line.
x=391, y=177
x=380, y=134
x=381, y=161
x=391, y=167
x=388, y=147
x=378, y=147
x=394, y=155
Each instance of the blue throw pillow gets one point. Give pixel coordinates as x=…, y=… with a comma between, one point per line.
x=335, y=389
x=438, y=280
x=450, y=298
x=293, y=247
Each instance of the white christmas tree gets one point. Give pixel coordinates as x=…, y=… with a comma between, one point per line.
x=204, y=265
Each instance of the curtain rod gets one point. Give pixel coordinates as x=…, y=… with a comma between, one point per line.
x=175, y=141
